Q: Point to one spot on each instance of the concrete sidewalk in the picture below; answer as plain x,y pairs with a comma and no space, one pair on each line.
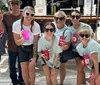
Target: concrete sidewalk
40,78
71,81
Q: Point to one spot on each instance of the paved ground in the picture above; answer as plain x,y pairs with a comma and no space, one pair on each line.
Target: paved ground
40,78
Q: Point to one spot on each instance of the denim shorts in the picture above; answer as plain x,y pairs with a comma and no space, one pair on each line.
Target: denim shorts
49,64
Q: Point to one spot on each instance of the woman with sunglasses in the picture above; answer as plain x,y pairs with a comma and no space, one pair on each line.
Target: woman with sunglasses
26,33
76,26
91,48
3,35
49,50
60,24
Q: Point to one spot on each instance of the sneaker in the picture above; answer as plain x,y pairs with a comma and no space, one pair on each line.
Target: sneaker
12,84
20,82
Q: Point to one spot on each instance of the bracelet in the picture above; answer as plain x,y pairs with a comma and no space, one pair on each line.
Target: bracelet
53,66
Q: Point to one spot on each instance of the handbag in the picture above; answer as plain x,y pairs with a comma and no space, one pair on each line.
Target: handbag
28,48
67,54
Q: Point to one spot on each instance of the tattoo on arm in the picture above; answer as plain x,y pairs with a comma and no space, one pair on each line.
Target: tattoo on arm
36,37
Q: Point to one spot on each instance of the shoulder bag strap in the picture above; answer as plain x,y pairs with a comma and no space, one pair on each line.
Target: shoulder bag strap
64,31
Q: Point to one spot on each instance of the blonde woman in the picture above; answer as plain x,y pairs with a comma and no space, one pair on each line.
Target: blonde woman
31,29
90,49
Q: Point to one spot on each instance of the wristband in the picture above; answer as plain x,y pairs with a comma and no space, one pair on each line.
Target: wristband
53,66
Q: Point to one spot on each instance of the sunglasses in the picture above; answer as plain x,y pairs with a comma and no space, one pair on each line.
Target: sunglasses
77,16
49,29
84,35
29,14
59,18
15,3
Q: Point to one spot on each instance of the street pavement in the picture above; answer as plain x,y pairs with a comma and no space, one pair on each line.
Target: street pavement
40,78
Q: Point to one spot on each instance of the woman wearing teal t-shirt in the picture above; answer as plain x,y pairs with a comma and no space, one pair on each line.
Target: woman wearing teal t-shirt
89,49
49,50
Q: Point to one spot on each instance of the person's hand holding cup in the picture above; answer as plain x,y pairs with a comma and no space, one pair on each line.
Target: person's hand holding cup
1,33
46,55
26,34
61,41
85,60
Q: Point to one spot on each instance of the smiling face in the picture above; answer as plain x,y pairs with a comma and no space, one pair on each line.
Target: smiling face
84,37
28,15
75,17
14,5
60,19
85,34
49,30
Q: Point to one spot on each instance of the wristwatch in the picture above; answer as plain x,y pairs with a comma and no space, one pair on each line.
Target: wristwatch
53,66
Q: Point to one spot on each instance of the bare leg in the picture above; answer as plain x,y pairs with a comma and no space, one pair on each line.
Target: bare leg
97,81
92,82
47,72
54,76
32,71
80,72
25,72
62,72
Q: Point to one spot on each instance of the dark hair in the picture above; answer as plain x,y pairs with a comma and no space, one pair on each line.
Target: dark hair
70,23
76,12
49,23
22,18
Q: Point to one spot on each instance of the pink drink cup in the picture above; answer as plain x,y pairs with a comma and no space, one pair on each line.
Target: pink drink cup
26,34
1,32
86,60
74,38
47,56
61,40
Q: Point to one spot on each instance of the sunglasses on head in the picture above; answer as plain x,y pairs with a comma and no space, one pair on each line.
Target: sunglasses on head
59,18
75,16
84,35
49,29
29,14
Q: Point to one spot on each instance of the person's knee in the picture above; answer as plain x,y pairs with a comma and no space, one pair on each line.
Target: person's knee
31,69
80,68
63,66
53,77
48,77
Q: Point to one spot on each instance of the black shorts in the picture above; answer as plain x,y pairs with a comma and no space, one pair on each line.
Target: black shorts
76,55
23,55
99,67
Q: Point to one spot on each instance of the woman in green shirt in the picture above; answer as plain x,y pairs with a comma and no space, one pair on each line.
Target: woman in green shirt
49,50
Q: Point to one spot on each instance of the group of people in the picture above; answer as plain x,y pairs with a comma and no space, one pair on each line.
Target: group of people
24,43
